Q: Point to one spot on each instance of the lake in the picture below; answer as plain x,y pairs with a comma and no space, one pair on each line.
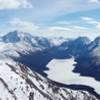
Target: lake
61,70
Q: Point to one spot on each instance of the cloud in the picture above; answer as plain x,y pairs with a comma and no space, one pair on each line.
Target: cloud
14,4
87,18
70,31
18,24
59,28
65,27
92,21
79,27
94,1
73,30
55,8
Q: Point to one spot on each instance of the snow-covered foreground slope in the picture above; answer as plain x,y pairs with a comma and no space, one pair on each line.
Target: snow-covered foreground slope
17,82
62,71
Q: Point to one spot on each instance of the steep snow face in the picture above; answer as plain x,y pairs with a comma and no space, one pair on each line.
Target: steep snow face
17,82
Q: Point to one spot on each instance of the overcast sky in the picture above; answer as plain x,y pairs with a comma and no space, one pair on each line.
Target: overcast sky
68,18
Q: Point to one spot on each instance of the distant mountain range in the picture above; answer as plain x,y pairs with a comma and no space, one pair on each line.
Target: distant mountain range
22,46
35,52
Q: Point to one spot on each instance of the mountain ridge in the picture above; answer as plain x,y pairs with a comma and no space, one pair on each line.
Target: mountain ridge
18,81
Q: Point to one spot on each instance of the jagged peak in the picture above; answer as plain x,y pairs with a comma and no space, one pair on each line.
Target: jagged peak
16,36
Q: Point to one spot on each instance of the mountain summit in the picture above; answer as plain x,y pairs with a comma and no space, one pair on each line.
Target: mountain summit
16,36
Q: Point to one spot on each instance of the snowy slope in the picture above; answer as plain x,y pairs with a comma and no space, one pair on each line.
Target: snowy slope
17,82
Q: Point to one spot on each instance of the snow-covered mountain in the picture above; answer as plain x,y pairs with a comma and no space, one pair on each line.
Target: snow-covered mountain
17,42
18,36
36,52
25,46
18,82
